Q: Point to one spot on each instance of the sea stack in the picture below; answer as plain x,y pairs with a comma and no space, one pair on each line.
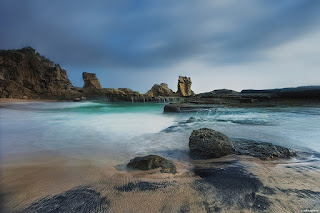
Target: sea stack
91,81
184,86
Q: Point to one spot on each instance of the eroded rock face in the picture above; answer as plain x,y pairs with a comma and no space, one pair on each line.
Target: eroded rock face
25,73
160,90
152,162
91,81
184,86
208,143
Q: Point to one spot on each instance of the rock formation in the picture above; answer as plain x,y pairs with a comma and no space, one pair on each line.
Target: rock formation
91,81
184,86
262,150
208,143
26,74
152,162
160,90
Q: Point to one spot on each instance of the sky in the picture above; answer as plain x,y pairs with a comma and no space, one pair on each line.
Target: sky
247,44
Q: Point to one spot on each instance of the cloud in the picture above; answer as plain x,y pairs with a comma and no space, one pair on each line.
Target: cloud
148,36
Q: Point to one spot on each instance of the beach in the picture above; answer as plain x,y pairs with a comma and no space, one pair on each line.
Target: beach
67,152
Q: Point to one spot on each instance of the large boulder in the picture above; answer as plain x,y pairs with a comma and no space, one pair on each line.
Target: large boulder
152,162
208,143
184,86
91,81
160,90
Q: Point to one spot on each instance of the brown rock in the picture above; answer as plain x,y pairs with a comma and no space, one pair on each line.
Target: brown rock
160,90
184,86
91,81
24,72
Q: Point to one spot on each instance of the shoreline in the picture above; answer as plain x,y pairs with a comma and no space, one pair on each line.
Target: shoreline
216,184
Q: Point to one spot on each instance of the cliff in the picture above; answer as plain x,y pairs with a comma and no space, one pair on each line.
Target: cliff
24,73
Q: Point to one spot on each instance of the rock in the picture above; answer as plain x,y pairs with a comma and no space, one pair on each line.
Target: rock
152,162
184,86
25,72
219,93
262,150
83,98
208,143
91,81
160,90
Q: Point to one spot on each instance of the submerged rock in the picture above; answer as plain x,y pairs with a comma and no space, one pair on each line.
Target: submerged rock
152,162
208,143
262,150
75,200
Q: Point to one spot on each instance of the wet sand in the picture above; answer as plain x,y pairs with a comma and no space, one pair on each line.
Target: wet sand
229,184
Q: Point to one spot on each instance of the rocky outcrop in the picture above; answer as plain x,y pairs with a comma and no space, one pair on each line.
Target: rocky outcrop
208,143
219,93
160,90
184,86
25,73
91,81
152,162
262,150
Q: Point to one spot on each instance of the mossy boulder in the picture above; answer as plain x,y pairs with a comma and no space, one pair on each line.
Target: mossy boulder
208,143
152,162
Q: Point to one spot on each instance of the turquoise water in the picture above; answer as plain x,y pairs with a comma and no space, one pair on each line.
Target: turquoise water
122,130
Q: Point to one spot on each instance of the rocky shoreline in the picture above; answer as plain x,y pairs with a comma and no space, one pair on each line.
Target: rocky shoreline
25,74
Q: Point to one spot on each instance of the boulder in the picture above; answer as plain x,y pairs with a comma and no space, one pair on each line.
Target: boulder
91,81
160,90
208,143
152,162
184,86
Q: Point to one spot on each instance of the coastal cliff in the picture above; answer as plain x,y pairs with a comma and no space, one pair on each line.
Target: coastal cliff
24,73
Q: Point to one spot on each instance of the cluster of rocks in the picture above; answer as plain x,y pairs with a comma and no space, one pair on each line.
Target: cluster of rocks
24,73
207,143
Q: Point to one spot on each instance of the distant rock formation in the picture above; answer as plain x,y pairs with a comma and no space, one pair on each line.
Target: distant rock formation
219,93
184,86
91,81
160,90
24,73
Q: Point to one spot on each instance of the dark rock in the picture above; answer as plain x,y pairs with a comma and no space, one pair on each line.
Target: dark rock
76,200
143,186
208,143
262,150
152,162
91,81
184,86
229,186
219,93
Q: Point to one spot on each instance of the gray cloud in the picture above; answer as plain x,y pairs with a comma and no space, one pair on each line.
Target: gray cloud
148,35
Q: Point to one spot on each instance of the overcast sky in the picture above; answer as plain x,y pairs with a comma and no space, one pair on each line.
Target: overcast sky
236,44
